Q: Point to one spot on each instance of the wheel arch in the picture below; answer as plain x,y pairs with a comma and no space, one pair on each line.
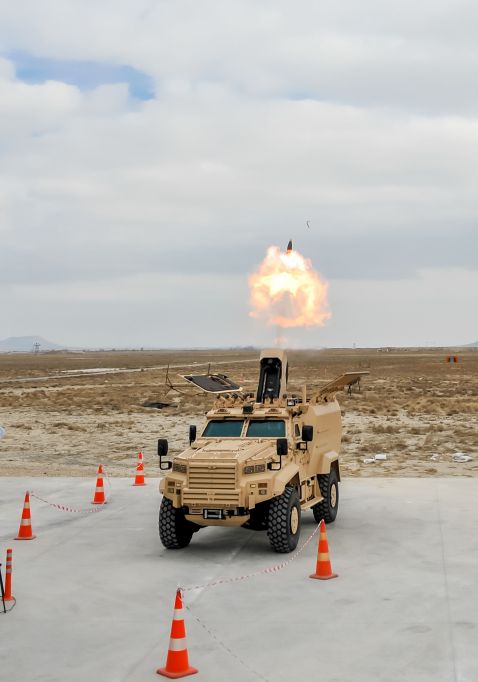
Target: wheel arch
289,475
330,461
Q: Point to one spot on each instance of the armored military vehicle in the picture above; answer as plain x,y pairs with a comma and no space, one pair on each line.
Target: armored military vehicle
259,461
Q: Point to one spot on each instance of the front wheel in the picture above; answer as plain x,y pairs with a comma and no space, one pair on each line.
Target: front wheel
284,521
329,487
175,530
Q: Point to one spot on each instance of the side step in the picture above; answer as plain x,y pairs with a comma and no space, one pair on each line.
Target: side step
311,503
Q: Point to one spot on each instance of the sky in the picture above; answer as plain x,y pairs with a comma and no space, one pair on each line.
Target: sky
150,152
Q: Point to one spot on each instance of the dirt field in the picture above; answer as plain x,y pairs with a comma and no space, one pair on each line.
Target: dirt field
66,412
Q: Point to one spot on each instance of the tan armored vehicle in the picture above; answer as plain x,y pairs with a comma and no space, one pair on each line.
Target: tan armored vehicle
258,462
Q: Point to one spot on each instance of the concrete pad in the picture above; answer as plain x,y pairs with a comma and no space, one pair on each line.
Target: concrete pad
95,593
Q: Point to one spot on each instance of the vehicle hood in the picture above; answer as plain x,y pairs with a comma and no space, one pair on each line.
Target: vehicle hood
238,449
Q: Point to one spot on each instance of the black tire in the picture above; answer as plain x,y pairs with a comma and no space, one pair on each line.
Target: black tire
174,530
284,513
329,487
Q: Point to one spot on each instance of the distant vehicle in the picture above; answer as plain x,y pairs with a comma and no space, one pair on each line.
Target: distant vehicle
259,461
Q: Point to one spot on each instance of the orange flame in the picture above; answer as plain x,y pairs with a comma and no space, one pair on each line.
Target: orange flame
287,291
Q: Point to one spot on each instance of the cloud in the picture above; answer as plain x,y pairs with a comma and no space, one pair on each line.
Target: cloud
168,311
419,57
263,116
179,183
32,109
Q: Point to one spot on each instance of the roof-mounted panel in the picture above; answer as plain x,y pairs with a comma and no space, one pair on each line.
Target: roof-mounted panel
212,383
341,382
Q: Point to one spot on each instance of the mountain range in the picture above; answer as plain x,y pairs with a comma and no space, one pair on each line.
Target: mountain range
26,344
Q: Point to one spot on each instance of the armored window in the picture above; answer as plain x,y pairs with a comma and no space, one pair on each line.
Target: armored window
267,428
224,428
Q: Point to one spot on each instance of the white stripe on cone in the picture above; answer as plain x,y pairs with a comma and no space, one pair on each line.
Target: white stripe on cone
177,644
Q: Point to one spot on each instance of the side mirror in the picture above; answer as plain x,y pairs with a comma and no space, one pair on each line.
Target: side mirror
192,433
307,433
282,447
162,452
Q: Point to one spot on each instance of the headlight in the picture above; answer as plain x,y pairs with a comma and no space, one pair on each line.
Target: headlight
254,469
180,468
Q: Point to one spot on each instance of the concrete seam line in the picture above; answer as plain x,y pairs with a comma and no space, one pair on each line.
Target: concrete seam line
447,593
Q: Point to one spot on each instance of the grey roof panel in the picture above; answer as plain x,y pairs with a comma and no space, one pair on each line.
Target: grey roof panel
213,383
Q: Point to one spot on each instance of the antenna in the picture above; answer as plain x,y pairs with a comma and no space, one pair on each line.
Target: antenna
36,347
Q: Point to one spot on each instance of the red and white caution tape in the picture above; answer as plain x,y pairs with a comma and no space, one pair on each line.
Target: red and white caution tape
66,508
261,571
63,507
215,637
223,581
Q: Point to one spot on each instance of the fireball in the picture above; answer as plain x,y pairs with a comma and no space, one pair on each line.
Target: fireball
286,291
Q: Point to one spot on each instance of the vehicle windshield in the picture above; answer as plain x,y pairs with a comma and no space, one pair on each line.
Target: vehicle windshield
266,428
224,428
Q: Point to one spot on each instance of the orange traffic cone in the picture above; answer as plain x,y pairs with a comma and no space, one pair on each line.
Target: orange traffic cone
177,663
8,577
139,478
99,497
25,530
323,569
140,457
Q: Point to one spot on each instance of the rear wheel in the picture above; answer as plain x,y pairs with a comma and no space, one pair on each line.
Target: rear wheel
329,487
175,530
284,521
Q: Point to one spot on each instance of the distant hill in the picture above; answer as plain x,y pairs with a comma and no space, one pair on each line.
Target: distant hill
475,345
25,344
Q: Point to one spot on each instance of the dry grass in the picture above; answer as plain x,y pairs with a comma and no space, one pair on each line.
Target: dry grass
412,405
